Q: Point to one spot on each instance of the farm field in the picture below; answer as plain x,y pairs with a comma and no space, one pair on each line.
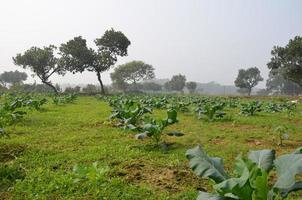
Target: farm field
48,151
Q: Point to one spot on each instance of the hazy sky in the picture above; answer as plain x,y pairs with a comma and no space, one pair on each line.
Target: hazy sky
207,40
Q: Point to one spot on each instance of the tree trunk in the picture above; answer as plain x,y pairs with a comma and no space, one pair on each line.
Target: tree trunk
52,87
101,83
249,91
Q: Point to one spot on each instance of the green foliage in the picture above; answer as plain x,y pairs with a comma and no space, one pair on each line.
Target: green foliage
282,134
42,61
57,138
191,86
154,128
277,84
247,79
252,178
93,174
131,73
250,108
69,98
177,83
13,77
77,57
212,110
272,107
9,174
128,113
171,116
287,61
14,108
72,90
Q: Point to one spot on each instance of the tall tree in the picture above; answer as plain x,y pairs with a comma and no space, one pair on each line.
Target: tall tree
13,77
247,79
288,60
132,72
277,84
177,83
42,62
77,57
191,86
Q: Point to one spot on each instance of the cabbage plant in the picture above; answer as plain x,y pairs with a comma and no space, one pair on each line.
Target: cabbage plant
251,108
252,176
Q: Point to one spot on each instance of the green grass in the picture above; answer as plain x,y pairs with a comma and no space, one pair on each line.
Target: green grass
43,148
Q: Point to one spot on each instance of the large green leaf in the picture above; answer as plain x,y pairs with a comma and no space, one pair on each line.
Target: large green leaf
263,158
240,186
205,166
172,116
208,196
261,187
287,166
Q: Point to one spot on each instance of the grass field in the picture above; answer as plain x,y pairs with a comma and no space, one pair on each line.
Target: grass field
45,146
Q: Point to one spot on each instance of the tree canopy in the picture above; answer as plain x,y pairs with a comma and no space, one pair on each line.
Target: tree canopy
191,86
13,77
77,57
288,60
247,79
177,83
42,62
277,84
132,72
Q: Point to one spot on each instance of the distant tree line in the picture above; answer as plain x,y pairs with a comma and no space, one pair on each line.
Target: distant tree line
285,75
285,65
134,76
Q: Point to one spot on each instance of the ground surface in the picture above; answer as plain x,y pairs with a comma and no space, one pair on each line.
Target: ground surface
46,145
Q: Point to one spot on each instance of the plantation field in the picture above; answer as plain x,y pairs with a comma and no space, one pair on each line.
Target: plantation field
39,158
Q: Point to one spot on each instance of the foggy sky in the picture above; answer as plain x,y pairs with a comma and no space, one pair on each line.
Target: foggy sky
207,40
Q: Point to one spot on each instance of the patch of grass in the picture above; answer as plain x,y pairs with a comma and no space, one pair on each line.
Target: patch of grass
47,145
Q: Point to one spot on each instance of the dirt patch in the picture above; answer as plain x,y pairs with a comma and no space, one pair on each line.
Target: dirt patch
255,142
163,178
291,144
4,195
217,140
11,151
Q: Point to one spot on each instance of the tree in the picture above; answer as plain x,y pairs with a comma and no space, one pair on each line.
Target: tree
247,79
177,83
191,86
120,85
277,84
75,89
151,86
90,89
42,62
77,57
13,77
288,60
131,73
31,88
243,91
